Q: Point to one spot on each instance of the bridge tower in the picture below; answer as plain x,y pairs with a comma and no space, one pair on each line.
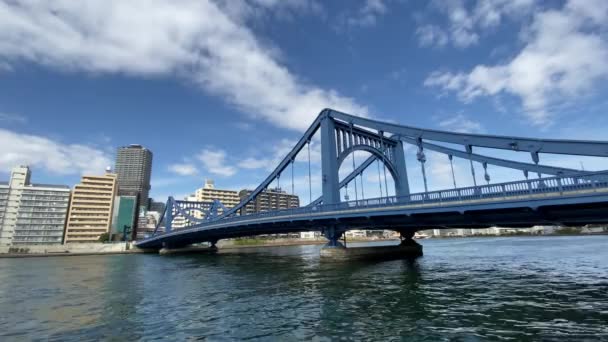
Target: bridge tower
339,141
329,161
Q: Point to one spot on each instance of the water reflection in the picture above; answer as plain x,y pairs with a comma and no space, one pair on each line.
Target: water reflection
469,289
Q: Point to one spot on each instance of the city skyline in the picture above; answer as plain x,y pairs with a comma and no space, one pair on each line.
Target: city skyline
454,66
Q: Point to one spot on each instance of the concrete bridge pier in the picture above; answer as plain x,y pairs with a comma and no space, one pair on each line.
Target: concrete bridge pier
336,251
407,241
333,235
173,250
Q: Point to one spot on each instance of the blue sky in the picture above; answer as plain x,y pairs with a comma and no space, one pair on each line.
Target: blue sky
223,89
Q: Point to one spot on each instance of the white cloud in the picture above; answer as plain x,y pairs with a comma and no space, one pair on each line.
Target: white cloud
56,157
491,13
368,14
565,53
440,172
184,169
190,38
214,161
246,10
254,163
466,24
460,28
460,123
431,35
272,157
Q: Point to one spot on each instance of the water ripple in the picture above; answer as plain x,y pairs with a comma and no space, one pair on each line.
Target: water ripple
512,289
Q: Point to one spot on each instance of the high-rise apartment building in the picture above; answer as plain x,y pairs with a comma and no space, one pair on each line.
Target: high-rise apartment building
271,199
134,168
91,208
31,213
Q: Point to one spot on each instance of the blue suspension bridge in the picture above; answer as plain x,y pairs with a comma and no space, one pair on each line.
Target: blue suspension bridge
557,196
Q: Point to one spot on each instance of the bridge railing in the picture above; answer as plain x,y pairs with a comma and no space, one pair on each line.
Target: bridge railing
530,187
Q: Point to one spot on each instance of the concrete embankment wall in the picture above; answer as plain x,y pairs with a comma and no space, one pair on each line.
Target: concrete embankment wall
67,249
269,242
288,242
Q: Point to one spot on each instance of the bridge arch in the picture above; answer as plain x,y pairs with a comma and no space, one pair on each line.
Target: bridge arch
379,155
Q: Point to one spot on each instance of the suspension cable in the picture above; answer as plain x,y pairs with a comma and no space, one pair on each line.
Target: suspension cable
346,197
362,193
452,167
486,175
293,192
309,178
352,143
470,151
422,159
536,160
385,182
383,150
379,177
473,173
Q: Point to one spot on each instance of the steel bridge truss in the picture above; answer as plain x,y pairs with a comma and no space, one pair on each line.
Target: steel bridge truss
341,135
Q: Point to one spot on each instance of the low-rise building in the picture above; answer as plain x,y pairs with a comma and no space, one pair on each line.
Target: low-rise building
147,224
309,235
356,233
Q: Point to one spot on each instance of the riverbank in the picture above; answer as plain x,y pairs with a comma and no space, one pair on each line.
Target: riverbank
30,251
129,248
34,251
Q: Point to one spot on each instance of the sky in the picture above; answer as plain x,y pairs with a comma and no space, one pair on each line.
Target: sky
223,89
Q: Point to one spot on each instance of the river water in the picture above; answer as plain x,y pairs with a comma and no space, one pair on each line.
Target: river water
473,289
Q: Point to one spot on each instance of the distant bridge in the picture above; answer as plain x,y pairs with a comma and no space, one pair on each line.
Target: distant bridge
564,196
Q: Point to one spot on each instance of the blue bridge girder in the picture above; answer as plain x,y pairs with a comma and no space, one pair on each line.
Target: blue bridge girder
569,197
559,200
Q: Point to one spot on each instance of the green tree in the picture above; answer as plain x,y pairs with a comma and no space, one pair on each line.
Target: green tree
568,230
105,237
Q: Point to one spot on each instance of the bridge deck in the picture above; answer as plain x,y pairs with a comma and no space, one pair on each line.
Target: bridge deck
530,194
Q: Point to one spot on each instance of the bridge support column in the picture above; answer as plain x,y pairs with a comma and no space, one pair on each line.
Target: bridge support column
188,250
333,235
335,251
329,162
172,249
407,241
402,185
